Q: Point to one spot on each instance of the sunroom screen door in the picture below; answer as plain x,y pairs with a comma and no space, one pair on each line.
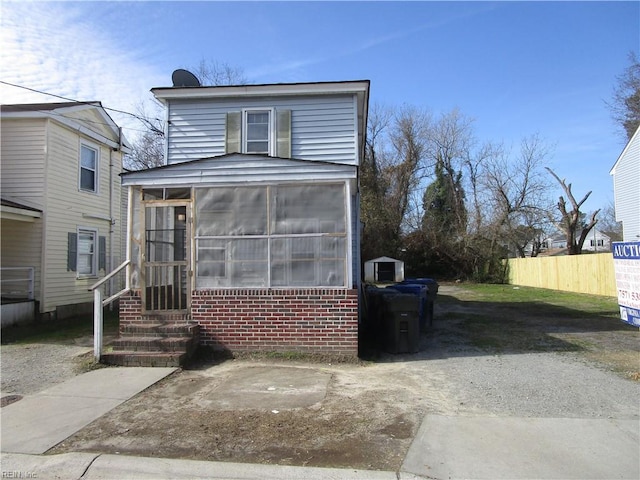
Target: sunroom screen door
165,264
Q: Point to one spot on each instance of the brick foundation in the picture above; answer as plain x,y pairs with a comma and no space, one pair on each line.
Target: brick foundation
303,320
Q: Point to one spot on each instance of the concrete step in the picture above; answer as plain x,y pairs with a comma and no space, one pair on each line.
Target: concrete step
145,359
153,344
160,330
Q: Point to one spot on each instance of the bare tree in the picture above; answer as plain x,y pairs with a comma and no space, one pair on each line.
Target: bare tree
147,151
570,221
607,220
395,146
213,73
625,104
518,194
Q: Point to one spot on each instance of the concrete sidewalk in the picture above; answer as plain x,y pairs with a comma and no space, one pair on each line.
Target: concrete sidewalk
510,448
39,422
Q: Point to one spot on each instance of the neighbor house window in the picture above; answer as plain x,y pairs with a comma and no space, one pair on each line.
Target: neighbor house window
257,131
88,168
87,263
271,236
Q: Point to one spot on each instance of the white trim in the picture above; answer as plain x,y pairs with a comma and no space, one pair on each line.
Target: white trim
328,88
96,252
348,227
271,140
56,115
92,146
20,214
624,151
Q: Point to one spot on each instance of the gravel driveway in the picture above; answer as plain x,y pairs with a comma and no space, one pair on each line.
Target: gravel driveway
30,368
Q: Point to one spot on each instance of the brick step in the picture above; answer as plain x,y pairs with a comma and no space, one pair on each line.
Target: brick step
154,344
160,330
145,359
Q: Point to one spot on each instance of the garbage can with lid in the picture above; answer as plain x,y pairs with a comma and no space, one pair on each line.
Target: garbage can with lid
401,323
421,292
432,294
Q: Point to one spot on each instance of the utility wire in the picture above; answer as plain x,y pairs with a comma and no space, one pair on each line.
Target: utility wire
142,119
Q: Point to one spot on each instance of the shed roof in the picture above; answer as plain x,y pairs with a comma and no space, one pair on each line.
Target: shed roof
384,259
238,168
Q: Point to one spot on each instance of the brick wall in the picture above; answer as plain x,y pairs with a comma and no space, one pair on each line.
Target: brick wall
306,320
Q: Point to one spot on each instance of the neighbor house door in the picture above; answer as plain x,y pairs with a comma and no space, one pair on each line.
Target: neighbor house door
165,263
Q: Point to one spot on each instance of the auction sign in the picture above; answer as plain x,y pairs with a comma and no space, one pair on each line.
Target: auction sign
626,260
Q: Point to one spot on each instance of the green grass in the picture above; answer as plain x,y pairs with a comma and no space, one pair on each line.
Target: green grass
510,295
501,318
62,331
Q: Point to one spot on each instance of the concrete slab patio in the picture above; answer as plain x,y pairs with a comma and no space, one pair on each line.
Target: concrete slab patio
38,422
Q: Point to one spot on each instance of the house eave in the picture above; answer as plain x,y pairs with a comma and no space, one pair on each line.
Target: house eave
277,89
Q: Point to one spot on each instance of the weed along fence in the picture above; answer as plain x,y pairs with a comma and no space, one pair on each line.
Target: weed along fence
587,273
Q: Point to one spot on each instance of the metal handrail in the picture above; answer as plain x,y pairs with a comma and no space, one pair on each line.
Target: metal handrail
98,303
111,275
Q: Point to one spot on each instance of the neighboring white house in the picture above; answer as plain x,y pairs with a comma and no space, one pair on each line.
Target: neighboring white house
598,241
61,218
626,189
251,230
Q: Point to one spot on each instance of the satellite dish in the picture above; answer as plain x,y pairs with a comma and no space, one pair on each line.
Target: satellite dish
184,78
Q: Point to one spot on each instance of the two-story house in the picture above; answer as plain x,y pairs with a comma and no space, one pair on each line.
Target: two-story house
251,229
61,219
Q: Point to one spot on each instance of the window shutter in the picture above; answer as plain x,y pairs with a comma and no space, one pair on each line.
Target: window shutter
283,130
232,144
72,251
102,253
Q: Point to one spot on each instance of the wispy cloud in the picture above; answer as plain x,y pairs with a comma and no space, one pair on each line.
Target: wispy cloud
370,43
52,48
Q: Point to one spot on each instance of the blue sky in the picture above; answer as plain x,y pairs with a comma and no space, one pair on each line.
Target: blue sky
517,68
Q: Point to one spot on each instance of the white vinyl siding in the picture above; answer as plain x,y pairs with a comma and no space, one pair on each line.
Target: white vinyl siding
322,127
626,185
23,159
40,164
68,208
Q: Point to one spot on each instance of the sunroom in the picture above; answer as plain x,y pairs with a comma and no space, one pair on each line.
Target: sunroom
259,251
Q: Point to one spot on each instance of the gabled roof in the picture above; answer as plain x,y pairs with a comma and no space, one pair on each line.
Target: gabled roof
66,113
634,140
384,260
235,168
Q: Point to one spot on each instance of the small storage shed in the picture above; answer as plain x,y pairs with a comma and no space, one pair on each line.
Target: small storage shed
383,269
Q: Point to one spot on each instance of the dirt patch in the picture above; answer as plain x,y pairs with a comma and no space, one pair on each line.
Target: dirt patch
474,361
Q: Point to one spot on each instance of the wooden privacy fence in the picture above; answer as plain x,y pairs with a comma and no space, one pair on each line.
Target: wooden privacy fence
587,273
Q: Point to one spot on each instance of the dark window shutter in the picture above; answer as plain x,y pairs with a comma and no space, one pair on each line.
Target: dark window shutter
283,129
233,137
102,253
72,251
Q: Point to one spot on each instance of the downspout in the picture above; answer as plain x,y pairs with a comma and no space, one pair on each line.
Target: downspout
111,225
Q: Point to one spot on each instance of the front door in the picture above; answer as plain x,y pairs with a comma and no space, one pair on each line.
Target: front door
165,265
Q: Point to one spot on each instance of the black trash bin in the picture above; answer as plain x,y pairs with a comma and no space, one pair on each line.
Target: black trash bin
432,294
401,323
421,291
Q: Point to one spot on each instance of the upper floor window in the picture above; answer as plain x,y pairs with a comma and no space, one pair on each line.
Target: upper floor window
257,131
88,168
